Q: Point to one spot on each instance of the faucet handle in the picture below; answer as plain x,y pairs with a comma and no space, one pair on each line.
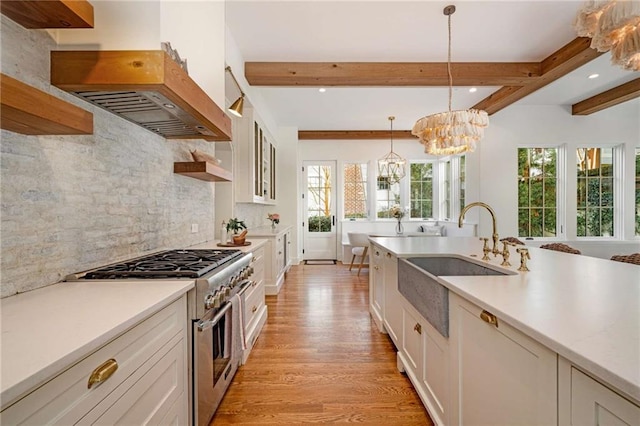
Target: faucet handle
524,255
505,253
485,249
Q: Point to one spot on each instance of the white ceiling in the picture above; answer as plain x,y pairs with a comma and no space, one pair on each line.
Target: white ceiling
407,31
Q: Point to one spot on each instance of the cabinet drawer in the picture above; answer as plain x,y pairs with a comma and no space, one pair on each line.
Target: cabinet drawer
66,399
253,304
152,394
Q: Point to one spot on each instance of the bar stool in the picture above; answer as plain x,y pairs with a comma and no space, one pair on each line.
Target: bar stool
560,247
627,258
359,246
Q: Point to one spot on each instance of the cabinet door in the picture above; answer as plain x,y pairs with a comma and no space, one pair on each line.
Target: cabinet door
412,343
502,376
392,299
592,403
376,287
258,158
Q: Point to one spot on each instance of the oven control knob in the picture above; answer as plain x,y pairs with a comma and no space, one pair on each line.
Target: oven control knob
227,292
245,273
235,280
212,301
250,270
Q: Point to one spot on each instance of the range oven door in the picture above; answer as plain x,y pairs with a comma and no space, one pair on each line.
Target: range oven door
215,361
217,353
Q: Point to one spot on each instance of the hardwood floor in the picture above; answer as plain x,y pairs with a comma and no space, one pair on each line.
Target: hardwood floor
320,359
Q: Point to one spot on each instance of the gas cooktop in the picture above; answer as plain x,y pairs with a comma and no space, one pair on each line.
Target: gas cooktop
167,264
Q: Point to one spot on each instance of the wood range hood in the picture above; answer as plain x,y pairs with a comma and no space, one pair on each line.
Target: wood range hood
145,87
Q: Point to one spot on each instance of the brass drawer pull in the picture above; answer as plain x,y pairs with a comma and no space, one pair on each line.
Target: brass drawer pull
488,317
102,372
388,254
377,253
418,328
254,309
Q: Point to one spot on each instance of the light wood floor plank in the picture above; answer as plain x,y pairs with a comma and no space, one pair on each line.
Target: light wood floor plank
320,359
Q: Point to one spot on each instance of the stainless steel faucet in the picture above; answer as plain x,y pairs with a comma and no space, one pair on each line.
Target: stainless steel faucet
495,237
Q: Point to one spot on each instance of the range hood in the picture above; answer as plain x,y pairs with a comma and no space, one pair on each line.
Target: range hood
145,87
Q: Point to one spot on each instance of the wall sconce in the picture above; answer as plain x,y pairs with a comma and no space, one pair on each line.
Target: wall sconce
238,105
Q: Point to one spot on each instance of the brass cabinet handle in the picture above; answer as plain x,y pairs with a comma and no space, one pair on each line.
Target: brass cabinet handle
254,309
488,317
102,372
418,328
377,253
388,254
376,267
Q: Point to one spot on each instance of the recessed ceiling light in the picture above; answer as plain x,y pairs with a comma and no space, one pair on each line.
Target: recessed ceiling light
322,90
473,90
592,76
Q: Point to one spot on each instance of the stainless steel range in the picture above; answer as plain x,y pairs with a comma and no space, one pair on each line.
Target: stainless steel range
215,310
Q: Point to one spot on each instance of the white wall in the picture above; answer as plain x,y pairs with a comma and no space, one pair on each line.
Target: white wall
547,126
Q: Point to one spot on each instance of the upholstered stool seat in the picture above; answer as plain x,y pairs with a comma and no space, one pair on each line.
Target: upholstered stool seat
513,240
560,247
359,246
627,258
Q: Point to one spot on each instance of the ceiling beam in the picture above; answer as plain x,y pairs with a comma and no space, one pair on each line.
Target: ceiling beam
390,74
353,134
604,100
560,63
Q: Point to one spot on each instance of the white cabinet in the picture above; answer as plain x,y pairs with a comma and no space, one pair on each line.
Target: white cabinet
501,376
149,385
376,286
585,401
255,308
276,255
255,160
392,298
424,354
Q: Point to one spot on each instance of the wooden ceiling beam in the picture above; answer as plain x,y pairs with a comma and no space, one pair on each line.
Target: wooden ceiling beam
560,63
388,74
604,100
353,134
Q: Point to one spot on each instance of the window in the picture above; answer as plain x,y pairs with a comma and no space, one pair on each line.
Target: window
387,196
355,190
537,192
463,175
446,190
637,192
421,190
595,187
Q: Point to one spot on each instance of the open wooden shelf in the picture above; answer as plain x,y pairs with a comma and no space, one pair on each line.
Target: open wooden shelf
203,170
34,14
30,111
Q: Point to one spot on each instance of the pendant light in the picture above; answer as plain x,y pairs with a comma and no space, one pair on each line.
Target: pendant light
392,167
451,132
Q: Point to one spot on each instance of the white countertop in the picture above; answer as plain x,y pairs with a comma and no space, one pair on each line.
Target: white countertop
266,231
47,330
584,308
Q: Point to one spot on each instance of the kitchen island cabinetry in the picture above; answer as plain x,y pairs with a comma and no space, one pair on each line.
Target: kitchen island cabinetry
501,375
586,401
142,379
277,255
255,160
376,287
547,346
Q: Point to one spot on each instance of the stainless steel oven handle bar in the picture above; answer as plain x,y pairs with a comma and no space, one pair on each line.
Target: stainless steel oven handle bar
205,325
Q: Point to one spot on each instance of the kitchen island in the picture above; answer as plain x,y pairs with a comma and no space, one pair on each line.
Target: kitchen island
583,311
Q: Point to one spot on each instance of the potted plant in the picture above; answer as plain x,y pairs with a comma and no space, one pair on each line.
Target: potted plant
236,226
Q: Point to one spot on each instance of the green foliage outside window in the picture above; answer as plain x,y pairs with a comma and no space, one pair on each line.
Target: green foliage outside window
595,194
421,190
320,224
537,192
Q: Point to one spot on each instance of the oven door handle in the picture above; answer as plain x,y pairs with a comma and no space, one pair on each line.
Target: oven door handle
205,325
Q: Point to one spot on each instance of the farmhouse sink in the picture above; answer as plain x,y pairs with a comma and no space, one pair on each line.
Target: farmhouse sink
418,283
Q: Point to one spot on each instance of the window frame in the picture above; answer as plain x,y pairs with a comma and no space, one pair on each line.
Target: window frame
617,161
561,192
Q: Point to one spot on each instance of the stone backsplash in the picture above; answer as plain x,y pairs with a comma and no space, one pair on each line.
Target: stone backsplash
70,203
